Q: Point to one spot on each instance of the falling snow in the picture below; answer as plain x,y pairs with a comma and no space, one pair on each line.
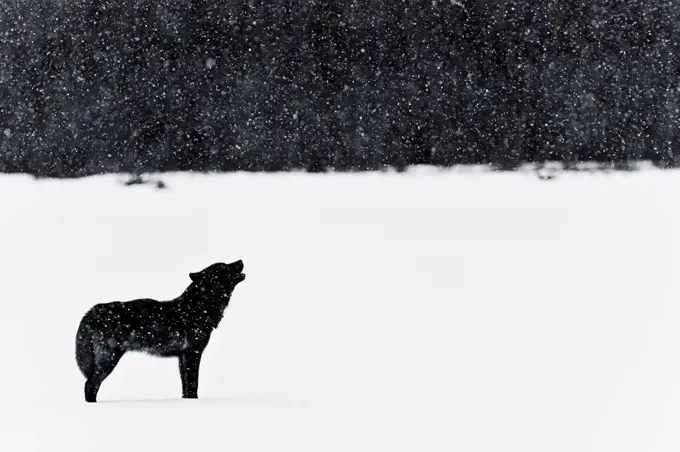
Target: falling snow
121,85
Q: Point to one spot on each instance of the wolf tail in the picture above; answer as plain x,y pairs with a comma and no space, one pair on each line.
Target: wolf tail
85,348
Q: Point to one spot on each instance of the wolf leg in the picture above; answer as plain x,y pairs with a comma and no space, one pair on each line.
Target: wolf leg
189,363
105,361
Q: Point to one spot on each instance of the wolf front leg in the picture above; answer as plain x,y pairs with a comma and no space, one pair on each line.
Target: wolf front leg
189,363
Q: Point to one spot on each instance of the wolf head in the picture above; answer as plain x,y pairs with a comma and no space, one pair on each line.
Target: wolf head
219,279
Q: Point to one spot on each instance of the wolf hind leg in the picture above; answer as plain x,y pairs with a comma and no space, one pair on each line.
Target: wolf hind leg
106,359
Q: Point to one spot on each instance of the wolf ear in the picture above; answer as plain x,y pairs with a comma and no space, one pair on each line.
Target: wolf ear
195,277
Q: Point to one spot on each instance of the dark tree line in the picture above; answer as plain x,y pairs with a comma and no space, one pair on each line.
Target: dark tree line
90,86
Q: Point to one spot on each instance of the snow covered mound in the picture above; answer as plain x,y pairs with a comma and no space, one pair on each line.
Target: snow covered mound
425,311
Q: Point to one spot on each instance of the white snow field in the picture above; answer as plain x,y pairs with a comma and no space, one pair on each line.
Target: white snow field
427,311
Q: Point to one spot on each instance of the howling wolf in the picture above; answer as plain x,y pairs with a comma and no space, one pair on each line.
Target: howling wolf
180,327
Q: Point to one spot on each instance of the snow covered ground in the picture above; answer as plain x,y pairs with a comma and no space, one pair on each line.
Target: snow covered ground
431,311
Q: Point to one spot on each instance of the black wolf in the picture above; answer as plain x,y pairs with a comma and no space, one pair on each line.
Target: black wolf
180,327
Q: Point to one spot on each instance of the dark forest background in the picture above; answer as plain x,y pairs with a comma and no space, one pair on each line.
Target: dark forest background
92,86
